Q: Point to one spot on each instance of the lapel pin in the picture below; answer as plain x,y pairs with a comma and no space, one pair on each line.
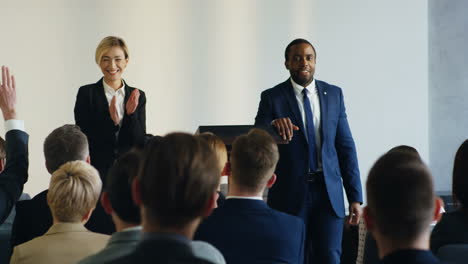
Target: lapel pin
325,93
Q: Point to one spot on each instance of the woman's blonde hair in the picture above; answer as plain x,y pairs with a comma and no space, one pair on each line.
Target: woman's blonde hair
216,145
107,43
74,190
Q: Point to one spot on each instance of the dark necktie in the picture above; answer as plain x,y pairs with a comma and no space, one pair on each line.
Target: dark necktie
310,131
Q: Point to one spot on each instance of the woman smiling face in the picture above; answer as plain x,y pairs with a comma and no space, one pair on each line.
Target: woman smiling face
113,64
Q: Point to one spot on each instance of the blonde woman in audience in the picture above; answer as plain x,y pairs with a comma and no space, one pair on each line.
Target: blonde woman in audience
218,147
73,193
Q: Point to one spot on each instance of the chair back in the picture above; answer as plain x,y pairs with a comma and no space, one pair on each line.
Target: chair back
453,253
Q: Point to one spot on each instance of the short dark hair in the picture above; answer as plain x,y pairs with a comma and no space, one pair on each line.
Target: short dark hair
179,175
2,148
64,144
253,159
400,196
405,149
460,176
119,186
296,42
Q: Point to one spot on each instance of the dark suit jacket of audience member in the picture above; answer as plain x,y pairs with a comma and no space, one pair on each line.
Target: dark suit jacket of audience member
248,231
410,256
164,249
92,116
221,199
452,229
33,219
15,174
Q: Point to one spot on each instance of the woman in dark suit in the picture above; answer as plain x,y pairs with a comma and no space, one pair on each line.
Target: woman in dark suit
110,112
453,227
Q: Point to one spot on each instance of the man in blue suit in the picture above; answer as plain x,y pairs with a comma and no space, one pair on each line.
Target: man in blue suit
245,229
320,157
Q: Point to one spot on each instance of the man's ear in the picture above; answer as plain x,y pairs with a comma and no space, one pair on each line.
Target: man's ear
286,64
227,169
47,167
136,192
2,164
88,159
271,181
210,205
106,204
368,221
438,209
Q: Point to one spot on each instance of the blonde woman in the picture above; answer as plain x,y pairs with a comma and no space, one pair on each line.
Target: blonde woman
110,112
73,193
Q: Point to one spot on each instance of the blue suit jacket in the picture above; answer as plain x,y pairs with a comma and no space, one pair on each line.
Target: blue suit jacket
248,231
15,173
339,160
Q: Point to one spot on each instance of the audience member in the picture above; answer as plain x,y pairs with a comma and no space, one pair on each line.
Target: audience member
33,217
245,229
15,172
117,201
73,193
175,189
405,149
219,148
453,227
401,207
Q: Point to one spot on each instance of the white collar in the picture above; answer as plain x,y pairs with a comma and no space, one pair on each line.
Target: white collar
298,88
111,90
244,197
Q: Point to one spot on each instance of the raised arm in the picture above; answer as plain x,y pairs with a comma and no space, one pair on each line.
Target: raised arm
14,176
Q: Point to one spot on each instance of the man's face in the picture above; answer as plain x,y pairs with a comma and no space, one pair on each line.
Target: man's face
301,63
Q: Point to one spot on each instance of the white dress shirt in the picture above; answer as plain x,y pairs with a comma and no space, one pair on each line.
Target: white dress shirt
120,98
14,124
244,197
315,105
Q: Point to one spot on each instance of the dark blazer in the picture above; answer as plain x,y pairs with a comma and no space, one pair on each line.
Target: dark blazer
33,219
161,250
248,231
410,256
92,116
339,159
15,173
452,229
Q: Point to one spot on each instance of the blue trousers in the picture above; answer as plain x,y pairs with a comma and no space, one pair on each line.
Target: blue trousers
324,230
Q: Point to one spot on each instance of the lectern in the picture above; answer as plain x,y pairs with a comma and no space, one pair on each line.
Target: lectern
229,133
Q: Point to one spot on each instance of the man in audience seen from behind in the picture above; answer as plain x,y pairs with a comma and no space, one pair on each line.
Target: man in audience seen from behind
117,201
401,207
15,172
73,193
245,229
175,190
33,217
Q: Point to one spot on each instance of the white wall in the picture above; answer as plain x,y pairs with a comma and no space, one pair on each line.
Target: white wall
206,62
447,85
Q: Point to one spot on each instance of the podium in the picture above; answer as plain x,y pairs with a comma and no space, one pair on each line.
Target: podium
228,133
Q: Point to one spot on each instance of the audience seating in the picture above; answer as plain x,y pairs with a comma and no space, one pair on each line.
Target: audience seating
454,253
